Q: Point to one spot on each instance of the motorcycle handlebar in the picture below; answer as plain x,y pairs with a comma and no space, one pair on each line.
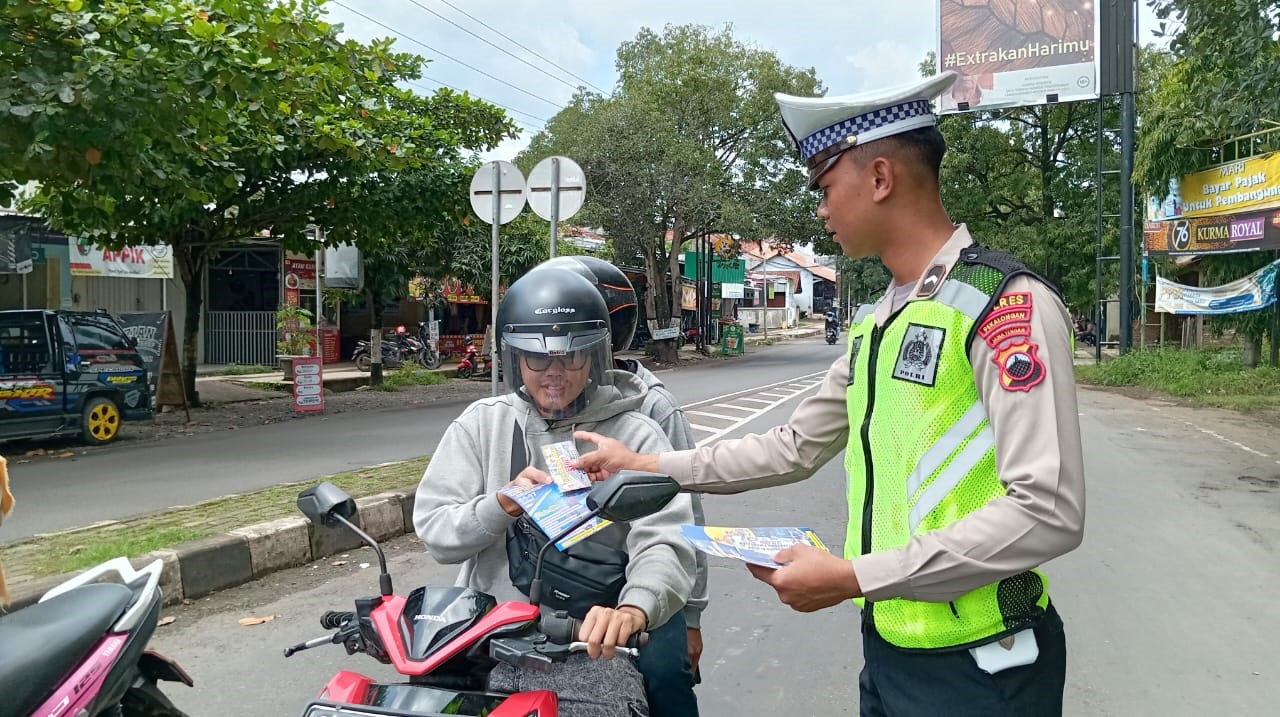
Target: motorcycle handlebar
562,629
334,619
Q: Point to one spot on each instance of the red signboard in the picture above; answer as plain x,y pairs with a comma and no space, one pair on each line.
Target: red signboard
453,344
308,384
329,345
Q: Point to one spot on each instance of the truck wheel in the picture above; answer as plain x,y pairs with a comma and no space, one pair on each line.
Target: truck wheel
100,421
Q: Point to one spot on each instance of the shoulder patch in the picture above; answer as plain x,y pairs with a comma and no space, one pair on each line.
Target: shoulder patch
1009,319
1020,367
932,281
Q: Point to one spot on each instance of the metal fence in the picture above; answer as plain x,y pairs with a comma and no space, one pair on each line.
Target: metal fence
243,337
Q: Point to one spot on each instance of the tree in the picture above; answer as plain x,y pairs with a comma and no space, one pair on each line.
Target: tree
689,144
167,122
1218,82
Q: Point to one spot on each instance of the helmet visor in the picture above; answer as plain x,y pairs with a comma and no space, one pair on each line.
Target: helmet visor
558,374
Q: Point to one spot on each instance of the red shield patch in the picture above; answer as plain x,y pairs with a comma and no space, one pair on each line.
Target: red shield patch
1020,367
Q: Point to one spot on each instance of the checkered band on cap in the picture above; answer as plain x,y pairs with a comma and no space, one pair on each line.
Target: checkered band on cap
840,131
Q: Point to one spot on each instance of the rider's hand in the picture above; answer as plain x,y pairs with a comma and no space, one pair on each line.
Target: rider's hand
528,476
611,456
606,628
695,648
810,578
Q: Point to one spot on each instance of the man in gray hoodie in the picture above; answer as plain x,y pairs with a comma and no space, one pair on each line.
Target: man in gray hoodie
556,347
669,676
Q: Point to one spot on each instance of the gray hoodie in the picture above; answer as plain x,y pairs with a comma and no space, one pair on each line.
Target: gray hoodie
661,405
459,519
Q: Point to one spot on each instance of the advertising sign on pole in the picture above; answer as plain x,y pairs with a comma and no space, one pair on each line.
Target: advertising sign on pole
1012,53
1223,234
308,384
136,262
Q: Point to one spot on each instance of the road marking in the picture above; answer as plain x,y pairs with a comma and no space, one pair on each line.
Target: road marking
736,408
755,413
704,429
755,400
721,416
1224,439
754,390
772,393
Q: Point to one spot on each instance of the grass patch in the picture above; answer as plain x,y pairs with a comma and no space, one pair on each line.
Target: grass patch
79,549
410,374
245,370
1210,377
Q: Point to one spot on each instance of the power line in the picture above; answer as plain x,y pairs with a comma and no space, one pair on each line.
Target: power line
498,47
522,47
445,55
496,104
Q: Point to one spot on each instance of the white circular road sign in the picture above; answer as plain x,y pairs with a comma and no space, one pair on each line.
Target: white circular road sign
572,190
506,182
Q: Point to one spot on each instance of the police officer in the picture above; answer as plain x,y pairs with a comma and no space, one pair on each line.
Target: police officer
955,409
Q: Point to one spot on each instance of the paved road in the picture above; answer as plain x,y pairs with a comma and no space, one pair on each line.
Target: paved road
1169,604
124,480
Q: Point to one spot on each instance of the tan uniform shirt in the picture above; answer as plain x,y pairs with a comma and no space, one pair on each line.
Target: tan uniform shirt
1038,457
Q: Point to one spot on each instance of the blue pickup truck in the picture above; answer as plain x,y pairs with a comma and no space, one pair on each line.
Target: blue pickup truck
68,373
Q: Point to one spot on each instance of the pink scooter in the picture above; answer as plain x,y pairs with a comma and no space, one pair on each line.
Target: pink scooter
82,650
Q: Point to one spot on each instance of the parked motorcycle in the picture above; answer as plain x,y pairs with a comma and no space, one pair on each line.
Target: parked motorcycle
472,364
429,357
396,351
446,640
82,650
688,336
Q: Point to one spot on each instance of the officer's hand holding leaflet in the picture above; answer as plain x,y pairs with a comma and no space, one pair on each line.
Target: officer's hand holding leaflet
810,578
611,456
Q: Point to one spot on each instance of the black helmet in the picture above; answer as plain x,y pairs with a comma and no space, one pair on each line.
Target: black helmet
554,328
614,287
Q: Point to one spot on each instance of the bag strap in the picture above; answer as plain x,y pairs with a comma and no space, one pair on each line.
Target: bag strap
519,454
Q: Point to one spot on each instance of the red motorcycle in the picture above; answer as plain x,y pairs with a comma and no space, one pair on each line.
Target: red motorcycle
470,365
445,640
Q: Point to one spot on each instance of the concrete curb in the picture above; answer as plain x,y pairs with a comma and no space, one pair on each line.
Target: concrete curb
218,562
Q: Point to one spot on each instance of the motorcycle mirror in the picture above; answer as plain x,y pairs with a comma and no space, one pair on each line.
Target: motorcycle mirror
320,503
327,504
632,494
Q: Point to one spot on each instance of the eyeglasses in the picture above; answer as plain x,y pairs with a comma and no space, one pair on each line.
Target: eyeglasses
572,361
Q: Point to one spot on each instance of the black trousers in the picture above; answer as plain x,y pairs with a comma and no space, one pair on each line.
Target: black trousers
896,683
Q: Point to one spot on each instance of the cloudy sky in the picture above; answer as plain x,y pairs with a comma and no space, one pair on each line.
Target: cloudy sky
854,45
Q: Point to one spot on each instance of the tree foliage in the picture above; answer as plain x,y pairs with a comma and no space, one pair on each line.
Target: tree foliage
165,121
688,144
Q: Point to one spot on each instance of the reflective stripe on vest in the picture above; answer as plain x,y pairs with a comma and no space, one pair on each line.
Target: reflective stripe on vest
922,450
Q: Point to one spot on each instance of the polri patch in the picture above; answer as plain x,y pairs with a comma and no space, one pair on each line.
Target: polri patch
918,357
1020,367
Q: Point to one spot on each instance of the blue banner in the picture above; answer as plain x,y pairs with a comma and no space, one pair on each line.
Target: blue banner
1253,292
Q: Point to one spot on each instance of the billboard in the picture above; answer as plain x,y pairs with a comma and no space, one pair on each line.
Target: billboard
1011,53
135,262
1247,184
1221,234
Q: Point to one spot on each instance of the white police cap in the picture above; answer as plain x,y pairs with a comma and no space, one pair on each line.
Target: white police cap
823,127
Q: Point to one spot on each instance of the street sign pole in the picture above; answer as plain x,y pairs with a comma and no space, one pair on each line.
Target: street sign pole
557,189
493,279
555,201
